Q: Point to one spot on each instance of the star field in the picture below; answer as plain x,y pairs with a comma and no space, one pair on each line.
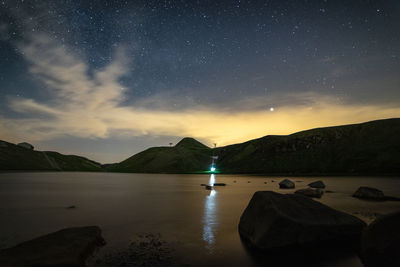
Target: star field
216,55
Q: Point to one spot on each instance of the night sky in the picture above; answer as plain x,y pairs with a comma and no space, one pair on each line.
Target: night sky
107,79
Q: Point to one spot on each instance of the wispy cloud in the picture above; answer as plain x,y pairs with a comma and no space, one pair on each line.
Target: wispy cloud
89,104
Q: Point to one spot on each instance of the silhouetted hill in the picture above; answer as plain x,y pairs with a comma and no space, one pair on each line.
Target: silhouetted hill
15,157
191,143
188,156
365,148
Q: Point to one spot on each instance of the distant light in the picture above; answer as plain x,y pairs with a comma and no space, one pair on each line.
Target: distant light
271,109
212,169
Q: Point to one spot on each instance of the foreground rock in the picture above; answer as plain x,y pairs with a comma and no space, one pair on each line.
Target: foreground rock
309,192
317,184
286,184
380,243
272,220
68,247
369,193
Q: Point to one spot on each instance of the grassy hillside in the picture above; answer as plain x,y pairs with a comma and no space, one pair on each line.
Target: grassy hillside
366,148
13,157
188,156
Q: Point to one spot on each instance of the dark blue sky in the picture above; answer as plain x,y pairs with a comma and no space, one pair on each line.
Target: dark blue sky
184,57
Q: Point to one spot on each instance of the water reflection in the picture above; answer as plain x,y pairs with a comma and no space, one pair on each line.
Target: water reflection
210,216
212,180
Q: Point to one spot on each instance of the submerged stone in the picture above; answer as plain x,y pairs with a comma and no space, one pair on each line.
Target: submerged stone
309,192
317,184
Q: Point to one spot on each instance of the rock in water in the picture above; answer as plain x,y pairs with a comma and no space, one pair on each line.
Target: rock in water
272,220
380,243
309,192
286,184
317,184
370,193
67,247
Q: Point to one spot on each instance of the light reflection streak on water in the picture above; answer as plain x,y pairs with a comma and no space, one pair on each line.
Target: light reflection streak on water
210,216
212,180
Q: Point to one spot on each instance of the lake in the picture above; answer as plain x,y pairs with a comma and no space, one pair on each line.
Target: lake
199,225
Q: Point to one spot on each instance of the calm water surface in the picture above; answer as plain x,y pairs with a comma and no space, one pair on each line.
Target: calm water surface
201,225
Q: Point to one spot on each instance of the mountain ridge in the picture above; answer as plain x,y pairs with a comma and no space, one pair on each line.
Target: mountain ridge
353,149
367,148
16,158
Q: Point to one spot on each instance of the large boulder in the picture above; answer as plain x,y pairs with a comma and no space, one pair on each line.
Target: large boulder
380,242
26,145
309,192
369,193
286,184
68,247
272,220
317,184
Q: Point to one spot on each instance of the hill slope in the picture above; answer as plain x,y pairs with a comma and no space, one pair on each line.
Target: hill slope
13,157
366,148
188,156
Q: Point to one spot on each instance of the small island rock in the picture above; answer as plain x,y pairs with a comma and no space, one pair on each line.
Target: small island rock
380,242
369,193
317,184
272,221
286,184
